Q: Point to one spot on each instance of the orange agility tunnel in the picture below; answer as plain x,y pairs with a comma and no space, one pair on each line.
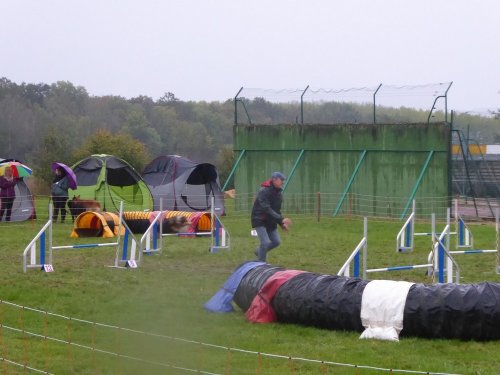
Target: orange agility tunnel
96,224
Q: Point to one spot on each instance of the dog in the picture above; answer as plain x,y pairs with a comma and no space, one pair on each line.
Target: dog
176,224
77,206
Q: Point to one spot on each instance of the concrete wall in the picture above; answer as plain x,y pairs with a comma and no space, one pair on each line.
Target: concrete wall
394,159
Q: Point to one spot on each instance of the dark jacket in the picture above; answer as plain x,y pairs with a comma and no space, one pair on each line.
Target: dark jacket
7,187
266,209
60,186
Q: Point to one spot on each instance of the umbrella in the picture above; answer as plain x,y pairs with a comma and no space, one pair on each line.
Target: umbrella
19,170
72,181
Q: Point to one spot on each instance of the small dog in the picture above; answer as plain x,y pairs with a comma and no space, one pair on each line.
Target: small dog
176,224
77,206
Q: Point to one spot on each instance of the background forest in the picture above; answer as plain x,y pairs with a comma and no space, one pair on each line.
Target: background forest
41,123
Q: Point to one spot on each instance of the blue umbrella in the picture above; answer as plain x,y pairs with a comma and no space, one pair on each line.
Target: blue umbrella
72,181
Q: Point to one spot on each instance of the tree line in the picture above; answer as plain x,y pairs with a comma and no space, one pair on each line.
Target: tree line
42,123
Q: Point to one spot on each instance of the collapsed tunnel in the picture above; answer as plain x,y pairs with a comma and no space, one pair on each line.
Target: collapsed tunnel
380,308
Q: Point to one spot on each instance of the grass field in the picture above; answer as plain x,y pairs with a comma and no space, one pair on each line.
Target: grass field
165,296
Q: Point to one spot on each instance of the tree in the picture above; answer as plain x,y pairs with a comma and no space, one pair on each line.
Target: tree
120,145
225,162
169,97
137,125
36,93
54,147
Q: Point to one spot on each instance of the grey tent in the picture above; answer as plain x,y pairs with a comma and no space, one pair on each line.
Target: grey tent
23,207
183,184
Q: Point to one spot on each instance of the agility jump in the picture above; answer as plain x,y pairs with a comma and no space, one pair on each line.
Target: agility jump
39,252
435,263
207,224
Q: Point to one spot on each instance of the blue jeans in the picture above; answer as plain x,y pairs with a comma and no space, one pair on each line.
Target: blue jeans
269,239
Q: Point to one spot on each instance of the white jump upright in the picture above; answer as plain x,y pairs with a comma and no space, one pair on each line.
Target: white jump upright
152,239
37,253
405,237
441,250
41,256
220,236
465,239
362,245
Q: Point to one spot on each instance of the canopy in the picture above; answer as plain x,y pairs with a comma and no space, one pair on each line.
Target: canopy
110,180
183,184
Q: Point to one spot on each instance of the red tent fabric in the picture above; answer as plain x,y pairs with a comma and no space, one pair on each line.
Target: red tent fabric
260,311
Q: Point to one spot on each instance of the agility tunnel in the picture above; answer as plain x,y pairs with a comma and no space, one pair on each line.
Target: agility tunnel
96,224
139,221
379,309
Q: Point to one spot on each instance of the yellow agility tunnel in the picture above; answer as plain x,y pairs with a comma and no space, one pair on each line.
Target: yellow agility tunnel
96,224
139,221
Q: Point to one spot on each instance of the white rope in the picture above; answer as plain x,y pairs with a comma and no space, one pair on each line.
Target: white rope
26,367
188,341
61,341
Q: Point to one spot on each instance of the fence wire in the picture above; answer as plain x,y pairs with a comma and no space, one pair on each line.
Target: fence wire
225,349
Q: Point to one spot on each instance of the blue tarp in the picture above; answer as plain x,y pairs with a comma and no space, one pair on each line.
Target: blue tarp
221,301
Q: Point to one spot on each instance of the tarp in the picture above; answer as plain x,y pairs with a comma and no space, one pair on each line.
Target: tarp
221,301
110,180
183,185
23,207
382,309
260,311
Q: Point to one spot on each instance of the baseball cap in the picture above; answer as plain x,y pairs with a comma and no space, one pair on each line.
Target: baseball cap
279,175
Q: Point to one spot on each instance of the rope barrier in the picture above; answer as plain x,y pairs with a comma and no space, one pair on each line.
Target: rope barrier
209,345
25,367
82,346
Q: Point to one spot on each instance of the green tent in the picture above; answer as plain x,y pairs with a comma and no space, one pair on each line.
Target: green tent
110,180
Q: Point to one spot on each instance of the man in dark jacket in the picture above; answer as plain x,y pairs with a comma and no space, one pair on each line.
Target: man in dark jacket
266,215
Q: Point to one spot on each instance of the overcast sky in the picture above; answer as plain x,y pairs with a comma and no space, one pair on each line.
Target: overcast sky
207,50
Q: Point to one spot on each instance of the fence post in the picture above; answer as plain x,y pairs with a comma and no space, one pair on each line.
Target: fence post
318,199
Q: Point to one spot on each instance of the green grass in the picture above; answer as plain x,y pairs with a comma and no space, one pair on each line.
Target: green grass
165,295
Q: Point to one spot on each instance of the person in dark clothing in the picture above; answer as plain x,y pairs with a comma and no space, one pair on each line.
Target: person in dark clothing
8,193
266,215
59,192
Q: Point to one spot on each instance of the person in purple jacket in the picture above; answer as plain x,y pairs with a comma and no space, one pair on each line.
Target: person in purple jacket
7,194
